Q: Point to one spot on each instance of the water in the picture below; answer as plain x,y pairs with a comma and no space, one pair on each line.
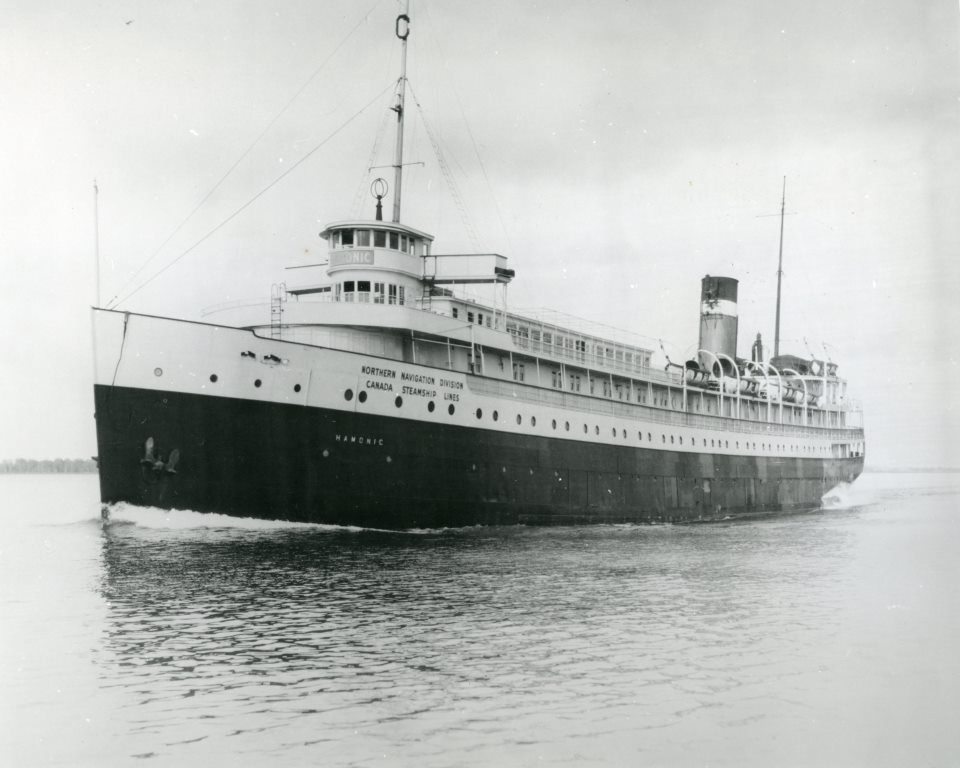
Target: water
160,638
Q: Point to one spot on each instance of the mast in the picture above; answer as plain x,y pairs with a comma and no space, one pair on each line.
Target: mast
776,334
403,32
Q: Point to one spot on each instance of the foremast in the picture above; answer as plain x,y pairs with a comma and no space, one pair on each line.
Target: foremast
403,32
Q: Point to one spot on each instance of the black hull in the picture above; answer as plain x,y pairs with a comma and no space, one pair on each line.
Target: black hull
254,459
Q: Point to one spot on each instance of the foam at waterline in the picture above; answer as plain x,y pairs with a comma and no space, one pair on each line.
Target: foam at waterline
185,519
845,496
176,519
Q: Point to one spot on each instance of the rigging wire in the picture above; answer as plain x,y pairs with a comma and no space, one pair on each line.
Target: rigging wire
113,302
473,141
260,194
362,186
445,170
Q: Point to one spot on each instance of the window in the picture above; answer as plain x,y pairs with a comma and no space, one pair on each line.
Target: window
378,293
363,289
455,313
346,237
401,300
348,289
392,293
518,372
395,240
480,317
363,237
403,243
469,317
379,238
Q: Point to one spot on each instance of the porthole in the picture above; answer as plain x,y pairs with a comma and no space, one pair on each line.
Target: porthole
362,397
389,460
640,436
533,421
663,438
553,423
326,453
624,434
585,429
681,439
348,395
671,439
296,387
450,409
496,415
613,431
158,371
479,413
726,443
693,441
649,437
430,406
519,419
398,401
213,378
596,429
257,383
566,426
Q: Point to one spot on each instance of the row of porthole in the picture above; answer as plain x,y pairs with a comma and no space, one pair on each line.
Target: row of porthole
256,382
398,401
451,409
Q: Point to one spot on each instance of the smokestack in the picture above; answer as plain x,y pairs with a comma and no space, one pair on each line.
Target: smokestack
718,318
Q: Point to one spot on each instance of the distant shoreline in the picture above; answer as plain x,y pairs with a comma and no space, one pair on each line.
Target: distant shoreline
47,466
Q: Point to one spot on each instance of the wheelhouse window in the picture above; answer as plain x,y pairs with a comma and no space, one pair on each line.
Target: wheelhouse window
378,293
363,237
349,290
394,240
392,293
346,237
363,290
379,238
402,291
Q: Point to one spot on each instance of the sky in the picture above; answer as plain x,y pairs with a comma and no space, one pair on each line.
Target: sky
615,151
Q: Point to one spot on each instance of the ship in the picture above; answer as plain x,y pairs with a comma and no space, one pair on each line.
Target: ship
376,389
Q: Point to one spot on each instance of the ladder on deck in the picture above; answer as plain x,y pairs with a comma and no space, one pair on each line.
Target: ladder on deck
278,295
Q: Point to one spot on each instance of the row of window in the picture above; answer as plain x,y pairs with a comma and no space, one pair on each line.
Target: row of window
528,337
378,238
478,318
365,291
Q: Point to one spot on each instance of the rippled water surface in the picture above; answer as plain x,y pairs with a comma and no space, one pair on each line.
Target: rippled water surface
827,638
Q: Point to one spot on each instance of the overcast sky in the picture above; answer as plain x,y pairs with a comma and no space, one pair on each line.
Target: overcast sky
615,151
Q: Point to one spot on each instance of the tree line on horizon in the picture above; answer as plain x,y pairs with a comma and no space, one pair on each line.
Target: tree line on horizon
47,466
